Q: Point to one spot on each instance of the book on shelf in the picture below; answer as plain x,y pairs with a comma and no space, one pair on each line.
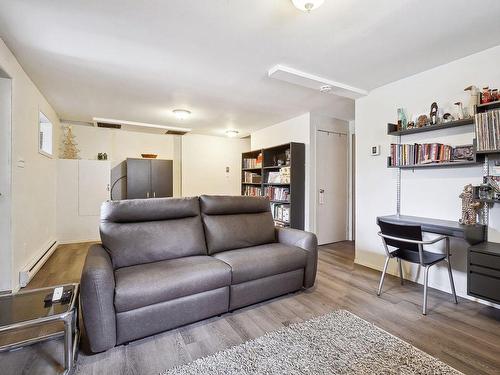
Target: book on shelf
252,191
252,162
280,177
281,212
427,153
487,127
277,193
252,177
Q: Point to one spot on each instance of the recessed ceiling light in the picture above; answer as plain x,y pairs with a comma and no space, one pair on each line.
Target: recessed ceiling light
181,114
231,133
307,5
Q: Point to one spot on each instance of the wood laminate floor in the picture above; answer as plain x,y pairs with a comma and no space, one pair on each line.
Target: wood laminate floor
466,336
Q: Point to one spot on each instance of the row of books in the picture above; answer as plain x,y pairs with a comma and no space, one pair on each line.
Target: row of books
280,177
252,191
488,130
412,154
281,212
252,177
252,163
277,193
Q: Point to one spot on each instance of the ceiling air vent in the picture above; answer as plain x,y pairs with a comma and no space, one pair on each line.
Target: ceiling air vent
175,132
108,125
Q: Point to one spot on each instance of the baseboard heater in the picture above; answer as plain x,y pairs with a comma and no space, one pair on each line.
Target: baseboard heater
30,270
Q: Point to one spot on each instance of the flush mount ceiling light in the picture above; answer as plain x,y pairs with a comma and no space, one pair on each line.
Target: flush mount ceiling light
307,5
231,133
181,114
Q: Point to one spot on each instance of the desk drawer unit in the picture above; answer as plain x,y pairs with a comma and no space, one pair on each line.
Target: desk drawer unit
483,271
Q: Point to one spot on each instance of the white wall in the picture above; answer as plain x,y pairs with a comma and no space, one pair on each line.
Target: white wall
431,193
34,185
297,129
204,161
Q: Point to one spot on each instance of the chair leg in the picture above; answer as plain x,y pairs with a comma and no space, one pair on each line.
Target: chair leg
383,276
426,277
400,262
452,284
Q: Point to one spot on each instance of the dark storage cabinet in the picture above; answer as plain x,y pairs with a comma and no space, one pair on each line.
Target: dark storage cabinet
149,178
483,271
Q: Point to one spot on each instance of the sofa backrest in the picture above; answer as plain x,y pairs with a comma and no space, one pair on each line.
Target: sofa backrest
234,222
148,230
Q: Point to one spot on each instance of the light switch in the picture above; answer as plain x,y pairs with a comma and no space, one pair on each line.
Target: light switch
20,163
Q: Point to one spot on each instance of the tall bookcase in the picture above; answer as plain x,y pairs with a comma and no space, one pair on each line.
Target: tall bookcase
279,173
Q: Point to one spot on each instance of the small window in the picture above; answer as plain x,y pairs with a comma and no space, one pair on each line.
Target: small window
44,135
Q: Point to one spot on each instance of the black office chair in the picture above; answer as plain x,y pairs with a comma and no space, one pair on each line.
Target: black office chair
409,246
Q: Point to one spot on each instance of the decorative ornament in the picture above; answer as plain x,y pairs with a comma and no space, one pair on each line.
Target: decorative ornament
69,150
422,121
473,99
470,208
460,110
433,115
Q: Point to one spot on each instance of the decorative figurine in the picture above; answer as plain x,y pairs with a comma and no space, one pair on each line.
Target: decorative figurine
422,121
402,118
486,95
433,115
460,110
473,99
469,206
447,117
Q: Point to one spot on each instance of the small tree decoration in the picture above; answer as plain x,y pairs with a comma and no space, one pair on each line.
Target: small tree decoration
469,206
69,150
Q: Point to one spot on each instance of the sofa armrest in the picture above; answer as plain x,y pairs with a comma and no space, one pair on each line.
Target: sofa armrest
97,291
306,241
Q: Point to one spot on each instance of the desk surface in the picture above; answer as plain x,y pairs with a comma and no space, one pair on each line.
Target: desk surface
473,234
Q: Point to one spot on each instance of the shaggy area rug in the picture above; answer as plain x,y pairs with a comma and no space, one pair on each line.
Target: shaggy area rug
336,343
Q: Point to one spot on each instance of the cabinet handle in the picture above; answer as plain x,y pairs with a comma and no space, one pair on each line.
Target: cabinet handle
154,194
147,194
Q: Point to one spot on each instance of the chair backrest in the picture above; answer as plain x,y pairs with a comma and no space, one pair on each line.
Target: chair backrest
234,222
141,231
410,232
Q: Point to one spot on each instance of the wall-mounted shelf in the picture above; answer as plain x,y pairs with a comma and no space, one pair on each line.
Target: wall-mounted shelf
449,164
392,128
488,106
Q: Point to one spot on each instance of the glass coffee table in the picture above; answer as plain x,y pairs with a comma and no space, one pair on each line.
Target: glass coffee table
27,309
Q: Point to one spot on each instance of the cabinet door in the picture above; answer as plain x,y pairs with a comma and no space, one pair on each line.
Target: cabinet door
162,178
138,179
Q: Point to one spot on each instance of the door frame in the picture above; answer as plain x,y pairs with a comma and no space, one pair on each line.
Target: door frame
6,259
313,201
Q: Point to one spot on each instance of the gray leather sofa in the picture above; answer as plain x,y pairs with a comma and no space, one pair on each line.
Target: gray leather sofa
168,262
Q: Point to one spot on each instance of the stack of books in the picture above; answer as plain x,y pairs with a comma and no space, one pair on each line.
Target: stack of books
277,193
488,130
252,177
252,191
251,163
413,154
281,213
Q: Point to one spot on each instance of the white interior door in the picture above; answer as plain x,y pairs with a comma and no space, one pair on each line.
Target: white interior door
332,184
5,185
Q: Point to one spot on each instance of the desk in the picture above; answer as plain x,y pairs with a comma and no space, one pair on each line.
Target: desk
473,234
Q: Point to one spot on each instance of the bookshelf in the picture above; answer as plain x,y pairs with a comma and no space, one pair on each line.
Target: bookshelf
279,173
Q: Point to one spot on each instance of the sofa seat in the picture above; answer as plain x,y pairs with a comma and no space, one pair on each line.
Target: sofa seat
151,283
251,263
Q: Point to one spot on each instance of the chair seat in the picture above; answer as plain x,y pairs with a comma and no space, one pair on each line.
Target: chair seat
272,259
413,257
151,283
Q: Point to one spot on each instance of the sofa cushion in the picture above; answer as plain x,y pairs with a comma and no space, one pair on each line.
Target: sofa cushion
148,230
261,261
148,284
234,222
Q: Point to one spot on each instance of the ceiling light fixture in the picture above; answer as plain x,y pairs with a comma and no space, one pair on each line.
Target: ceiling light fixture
181,114
231,133
307,5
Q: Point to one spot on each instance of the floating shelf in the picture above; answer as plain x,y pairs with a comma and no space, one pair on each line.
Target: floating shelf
488,106
391,128
436,165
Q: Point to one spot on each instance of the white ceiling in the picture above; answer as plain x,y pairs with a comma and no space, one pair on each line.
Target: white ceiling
139,60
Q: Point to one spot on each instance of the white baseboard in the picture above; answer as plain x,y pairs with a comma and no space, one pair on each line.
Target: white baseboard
31,268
